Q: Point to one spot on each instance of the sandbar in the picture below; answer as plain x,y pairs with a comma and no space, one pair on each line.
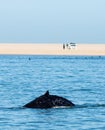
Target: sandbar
51,49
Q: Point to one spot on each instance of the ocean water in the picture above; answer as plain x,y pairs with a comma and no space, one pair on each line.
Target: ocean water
80,79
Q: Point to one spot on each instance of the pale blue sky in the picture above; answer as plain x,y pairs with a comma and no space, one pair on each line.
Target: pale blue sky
55,21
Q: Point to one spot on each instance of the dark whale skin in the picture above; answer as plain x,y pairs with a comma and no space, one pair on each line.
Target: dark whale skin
49,101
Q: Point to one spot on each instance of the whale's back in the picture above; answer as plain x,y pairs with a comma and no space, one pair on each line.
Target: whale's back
49,101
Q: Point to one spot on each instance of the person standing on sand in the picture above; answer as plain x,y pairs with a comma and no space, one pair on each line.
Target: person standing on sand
63,46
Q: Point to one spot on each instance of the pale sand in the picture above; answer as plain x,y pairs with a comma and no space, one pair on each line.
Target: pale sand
51,49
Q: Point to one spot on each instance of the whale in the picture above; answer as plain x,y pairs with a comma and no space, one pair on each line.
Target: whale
49,101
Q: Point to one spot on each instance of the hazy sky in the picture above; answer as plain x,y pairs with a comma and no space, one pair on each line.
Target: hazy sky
81,21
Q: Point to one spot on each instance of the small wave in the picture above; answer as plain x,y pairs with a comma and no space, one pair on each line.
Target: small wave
90,105
65,57
11,108
61,107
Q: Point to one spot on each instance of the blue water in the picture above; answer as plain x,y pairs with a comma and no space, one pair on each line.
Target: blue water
80,79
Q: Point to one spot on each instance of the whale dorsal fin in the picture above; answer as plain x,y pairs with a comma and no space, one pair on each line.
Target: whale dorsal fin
47,93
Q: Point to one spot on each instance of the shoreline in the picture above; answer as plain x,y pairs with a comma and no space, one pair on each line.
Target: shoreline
51,49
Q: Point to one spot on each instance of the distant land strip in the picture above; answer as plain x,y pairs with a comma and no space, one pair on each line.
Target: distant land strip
51,49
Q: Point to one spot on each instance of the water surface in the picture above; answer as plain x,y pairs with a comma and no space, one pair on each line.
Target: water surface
80,79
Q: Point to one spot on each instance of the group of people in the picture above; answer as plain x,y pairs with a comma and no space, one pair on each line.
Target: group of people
69,46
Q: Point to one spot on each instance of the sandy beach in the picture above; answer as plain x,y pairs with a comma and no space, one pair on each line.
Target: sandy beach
51,49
